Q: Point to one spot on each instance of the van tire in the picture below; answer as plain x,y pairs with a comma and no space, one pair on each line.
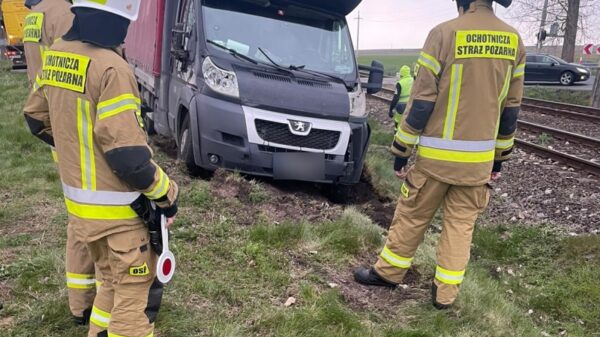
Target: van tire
149,125
185,150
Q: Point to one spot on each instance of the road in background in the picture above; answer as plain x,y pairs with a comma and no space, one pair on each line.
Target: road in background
579,86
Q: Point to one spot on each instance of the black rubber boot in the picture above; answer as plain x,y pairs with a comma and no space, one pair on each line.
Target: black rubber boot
368,276
85,319
437,305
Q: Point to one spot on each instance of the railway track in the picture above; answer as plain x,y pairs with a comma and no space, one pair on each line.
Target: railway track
586,110
566,158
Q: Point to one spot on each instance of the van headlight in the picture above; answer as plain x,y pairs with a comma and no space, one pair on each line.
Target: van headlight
358,103
220,80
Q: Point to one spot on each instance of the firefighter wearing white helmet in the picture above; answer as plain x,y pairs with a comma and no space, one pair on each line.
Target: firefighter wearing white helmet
46,23
88,106
462,114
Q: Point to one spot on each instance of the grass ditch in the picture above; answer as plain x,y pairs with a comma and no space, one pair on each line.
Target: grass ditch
579,97
234,280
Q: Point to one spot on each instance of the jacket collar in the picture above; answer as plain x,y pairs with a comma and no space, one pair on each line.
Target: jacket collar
480,5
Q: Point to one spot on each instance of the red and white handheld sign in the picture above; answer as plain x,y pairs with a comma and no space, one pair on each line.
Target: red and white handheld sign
165,268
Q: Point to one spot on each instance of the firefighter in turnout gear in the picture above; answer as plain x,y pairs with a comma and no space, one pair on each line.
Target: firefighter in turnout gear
88,107
463,116
403,90
47,22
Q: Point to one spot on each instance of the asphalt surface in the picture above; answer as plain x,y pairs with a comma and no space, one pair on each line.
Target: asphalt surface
580,86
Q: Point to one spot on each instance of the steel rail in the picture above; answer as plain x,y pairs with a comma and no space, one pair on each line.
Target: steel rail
569,160
560,134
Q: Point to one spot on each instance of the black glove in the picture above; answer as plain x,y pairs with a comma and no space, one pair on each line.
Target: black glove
151,215
399,163
391,112
497,166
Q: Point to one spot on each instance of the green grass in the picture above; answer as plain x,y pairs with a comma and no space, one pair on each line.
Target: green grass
233,279
391,63
579,97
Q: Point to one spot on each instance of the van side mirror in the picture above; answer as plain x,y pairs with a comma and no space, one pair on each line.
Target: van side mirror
375,83
177,42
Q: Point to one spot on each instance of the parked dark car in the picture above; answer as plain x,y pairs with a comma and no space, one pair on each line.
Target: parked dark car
548,68
16,55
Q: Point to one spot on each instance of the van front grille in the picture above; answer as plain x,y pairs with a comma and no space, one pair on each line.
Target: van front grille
280,133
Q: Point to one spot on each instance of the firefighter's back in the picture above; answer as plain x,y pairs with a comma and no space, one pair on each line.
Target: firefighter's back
79,85
479,54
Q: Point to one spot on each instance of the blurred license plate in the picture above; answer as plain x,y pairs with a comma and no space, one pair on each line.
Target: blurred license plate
299,166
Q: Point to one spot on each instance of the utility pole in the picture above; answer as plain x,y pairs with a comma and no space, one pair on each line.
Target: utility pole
542,25
358,18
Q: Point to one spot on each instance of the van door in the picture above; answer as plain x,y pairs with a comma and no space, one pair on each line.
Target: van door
186,18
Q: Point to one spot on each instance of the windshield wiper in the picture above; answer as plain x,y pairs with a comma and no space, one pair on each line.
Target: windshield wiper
275,64
318,73
233,52
302,69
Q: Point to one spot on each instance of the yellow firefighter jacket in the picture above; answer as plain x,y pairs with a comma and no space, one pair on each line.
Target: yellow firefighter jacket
48,21
88,107
465,101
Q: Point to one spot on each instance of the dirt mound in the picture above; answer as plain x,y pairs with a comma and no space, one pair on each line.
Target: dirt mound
385,300
281,201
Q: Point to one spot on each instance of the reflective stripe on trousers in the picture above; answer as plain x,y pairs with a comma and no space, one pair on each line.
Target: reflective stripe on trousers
100,318
396,260
81,281
449,276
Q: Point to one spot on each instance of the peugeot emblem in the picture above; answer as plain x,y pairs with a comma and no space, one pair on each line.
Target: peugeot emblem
299,127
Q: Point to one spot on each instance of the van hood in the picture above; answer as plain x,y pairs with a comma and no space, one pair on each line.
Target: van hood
298,95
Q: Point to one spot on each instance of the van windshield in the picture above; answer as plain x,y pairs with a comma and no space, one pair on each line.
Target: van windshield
289,35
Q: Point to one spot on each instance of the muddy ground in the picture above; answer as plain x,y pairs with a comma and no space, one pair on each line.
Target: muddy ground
287,200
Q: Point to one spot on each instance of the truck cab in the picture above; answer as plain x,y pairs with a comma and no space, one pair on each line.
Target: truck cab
268,88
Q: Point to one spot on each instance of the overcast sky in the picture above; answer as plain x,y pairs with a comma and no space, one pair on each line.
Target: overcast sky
401,24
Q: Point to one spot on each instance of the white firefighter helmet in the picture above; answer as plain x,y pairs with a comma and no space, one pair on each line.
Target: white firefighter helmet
126,8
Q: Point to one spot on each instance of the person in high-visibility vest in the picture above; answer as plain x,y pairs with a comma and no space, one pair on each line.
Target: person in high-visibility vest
402,94
47,22
462,114
88,106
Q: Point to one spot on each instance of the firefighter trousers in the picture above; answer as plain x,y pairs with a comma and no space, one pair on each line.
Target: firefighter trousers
81,281
421,196
128,297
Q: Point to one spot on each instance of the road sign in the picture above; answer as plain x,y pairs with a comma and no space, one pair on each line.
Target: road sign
598,50
587,49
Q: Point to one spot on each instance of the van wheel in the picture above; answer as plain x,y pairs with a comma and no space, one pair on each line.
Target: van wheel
186,151
567,78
